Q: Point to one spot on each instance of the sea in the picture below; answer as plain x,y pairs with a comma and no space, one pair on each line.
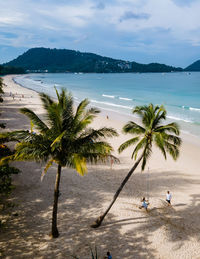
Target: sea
115,93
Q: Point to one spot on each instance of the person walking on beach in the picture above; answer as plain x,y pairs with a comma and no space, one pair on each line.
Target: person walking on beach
168,197
144,204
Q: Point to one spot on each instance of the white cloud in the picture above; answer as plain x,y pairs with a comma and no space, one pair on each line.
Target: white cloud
153,23
81,14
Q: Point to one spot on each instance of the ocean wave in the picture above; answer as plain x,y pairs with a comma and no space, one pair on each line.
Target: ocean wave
108,96
194,109
191,108
179,119
125,99
113,104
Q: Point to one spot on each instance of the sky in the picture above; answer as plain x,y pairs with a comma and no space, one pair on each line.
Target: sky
145,31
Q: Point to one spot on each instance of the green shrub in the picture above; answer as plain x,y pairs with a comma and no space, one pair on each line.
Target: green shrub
5,178
4,151
6,172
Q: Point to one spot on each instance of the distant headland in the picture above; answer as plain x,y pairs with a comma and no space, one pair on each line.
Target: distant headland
63,60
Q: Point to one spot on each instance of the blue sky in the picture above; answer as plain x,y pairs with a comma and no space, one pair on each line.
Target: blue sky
164,31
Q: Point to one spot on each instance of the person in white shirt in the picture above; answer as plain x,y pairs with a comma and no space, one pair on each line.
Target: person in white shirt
168,197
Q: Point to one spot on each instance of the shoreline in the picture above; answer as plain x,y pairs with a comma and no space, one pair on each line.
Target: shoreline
127,232
123,117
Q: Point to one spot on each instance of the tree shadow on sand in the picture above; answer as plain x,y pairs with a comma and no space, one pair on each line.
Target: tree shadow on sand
127,231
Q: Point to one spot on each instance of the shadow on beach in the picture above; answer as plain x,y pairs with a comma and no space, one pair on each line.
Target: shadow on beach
126,232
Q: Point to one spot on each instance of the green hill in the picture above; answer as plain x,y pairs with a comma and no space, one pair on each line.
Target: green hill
194,66
63,60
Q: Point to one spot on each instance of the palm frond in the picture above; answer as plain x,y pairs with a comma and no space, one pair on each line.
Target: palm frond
7,159
27,151
145,113
48,165
57,94
80,164
65,100
146,155
46,100
133,128
92,135
159,116
174,140
171,127
68,112
39,124
18,135
159,141
127,144
31,126
172,149
139,146
57,141
81,109
97,151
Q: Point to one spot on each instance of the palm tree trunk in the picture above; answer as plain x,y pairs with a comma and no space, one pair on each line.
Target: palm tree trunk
98,222
54,230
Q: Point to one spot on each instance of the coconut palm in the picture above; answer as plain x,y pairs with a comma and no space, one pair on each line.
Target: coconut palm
165,137
2,125
1,85
63,138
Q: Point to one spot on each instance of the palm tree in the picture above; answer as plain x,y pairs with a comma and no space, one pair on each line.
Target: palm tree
1,85
165,137
2,125
64,138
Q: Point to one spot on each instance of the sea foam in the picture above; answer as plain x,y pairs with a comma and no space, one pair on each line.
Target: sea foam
179,119
108,96
194,109
113,104
125,99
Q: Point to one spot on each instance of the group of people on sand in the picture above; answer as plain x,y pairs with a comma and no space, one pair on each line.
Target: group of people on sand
145,203
13,96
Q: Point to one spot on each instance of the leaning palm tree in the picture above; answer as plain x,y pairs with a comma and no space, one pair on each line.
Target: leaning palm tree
63,138
165,137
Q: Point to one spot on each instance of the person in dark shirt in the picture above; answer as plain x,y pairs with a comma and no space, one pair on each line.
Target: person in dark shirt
109,256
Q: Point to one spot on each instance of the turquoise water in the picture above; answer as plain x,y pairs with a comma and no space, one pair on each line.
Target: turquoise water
178,92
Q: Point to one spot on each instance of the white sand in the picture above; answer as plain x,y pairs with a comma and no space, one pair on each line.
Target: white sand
164,232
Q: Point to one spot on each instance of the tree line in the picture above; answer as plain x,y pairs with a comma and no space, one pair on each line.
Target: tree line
8,70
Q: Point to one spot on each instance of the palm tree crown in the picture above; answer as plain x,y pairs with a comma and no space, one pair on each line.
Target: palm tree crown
165,137
64,137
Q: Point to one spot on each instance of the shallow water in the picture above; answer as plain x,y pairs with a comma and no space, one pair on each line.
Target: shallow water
178,92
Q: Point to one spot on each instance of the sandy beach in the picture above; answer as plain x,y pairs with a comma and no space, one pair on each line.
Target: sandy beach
165,232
